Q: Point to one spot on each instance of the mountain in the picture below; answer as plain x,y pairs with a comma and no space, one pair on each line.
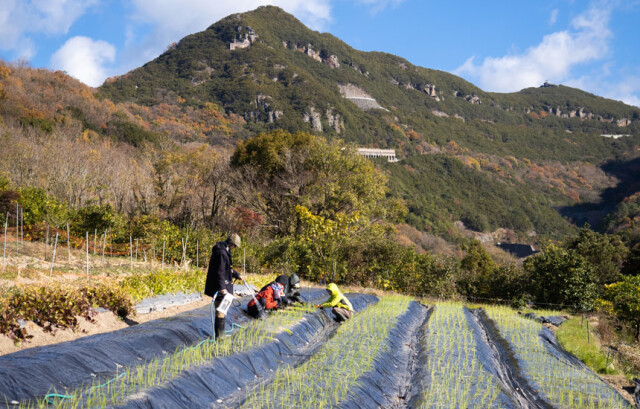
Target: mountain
490,160
270,69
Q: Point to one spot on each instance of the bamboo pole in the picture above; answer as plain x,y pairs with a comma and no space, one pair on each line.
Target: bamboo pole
46,244
104,243
22,226
4,250
131,252
136,249
87,237
18,230
53,257
184,252
197,254
68,244
95,240
163,243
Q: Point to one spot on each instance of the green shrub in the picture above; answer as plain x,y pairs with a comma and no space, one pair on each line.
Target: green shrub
622,300
561,276
41,207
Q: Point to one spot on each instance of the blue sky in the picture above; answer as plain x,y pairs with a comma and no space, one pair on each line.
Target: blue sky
499,45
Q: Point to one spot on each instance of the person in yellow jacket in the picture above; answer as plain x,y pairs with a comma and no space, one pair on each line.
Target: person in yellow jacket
340,305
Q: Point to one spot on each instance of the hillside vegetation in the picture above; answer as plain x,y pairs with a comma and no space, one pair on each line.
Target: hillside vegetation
269,69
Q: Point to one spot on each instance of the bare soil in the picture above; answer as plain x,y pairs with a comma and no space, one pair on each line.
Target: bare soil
104,322
622,385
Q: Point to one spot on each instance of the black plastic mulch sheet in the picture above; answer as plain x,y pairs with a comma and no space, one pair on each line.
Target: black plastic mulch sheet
582,377
497,356
387,384
223,382
37,371
487,358
599,386
555,320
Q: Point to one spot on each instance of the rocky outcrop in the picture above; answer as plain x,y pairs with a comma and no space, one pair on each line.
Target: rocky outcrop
428,89
473,98
332,61
313,117
264,111
357,69
623,122
244,38
335,121
439,113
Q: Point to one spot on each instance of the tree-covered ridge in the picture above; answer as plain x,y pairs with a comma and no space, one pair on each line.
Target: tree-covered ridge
288,69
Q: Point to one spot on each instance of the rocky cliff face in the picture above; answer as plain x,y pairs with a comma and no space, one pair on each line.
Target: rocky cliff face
244,38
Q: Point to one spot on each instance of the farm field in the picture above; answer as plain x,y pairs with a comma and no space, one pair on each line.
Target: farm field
394,352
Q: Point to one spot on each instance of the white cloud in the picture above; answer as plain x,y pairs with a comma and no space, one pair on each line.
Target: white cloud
85,59
19,19
621,86
586,41
554,17
379,5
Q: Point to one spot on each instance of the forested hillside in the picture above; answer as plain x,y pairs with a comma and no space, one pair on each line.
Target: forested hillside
269,69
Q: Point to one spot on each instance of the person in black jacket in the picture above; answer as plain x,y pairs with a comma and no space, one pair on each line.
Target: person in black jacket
220,276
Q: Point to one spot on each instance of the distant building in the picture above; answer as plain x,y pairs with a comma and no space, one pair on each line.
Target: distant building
518,250
390,154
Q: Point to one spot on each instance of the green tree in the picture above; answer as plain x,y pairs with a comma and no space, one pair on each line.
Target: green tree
606,253
562,276
622,299
278,171
477,270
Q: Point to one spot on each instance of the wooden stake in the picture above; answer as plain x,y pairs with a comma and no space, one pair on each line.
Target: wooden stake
136,249
131,252
22,226
197,254
53,257
95,240
163,243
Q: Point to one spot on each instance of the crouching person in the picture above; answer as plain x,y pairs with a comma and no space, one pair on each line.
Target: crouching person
341,307
270,298
291,286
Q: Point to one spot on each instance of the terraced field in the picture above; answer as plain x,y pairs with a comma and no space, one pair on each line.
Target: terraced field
394,353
